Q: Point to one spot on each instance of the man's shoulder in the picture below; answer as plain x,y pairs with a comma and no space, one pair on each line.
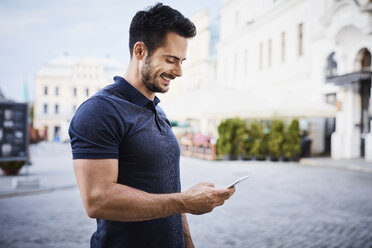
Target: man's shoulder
95,103
106,98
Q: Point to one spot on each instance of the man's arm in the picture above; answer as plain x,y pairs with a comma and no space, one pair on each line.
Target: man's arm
186,233
104,198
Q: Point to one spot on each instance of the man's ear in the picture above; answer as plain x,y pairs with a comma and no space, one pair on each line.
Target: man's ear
139,50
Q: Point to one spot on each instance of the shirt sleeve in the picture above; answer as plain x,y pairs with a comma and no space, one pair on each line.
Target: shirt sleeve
96,130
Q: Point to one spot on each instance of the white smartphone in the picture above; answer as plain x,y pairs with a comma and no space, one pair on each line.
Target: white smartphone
238,181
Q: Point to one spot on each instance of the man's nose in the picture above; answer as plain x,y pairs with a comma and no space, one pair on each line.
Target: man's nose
178,70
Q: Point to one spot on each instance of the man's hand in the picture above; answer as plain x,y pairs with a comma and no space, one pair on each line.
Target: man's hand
204,197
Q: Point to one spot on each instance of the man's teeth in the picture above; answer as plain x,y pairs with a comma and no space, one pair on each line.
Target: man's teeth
166,78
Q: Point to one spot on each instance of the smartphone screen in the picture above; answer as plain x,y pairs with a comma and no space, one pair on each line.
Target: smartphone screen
238,181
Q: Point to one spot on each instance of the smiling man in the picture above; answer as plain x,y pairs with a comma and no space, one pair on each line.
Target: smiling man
126,157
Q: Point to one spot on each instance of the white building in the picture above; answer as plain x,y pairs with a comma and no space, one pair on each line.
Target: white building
287,59
347,49
184,101
63,84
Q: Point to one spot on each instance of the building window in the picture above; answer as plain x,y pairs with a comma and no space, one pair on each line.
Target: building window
300,39
246,62
87,92
236,19
283,46
56,109
75,91
45,90
331,98
260,56
236,66
225,71
331,69
45,108
57,91
269,53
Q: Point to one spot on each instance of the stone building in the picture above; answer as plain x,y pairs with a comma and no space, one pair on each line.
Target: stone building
63,84
306,59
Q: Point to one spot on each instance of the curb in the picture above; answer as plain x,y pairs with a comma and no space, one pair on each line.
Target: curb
8,194
350,167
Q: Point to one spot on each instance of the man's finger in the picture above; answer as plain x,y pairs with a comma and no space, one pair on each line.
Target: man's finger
221,203
223,193
231,191
208,184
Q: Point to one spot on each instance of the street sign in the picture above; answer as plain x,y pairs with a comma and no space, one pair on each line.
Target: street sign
13,131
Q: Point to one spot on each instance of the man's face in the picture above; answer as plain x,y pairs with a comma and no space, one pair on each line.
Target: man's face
164,64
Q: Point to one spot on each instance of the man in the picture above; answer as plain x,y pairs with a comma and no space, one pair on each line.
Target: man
126,158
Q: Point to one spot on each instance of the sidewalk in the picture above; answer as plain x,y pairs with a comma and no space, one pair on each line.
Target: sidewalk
51,166
359,164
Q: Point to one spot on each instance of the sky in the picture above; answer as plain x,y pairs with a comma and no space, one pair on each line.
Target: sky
32,32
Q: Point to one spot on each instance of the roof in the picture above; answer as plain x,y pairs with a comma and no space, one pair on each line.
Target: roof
63,66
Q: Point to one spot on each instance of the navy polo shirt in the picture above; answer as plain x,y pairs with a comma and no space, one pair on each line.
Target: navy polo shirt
119,122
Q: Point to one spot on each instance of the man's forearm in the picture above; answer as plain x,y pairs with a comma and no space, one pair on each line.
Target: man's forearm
122,203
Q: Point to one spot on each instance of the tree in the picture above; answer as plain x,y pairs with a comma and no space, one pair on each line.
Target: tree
31,115
233,134
276,139
292,142
257,140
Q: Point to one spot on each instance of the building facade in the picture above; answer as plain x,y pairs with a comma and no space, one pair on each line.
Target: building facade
290,59
62,85
348,66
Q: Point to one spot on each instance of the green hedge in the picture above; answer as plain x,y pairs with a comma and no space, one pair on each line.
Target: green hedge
275,139
257,147
237,139
233,135
292,142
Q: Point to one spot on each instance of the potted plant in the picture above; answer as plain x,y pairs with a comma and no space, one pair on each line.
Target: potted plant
11,167
292,142
258,141
233,134
275,140
247,146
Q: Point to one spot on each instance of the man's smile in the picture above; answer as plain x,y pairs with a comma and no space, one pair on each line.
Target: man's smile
167,78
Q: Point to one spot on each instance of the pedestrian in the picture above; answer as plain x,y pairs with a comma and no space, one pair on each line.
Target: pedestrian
126,157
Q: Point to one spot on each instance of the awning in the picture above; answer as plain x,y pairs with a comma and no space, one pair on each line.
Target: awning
350,78
251,104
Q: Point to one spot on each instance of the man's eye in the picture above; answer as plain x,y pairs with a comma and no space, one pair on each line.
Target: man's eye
170,61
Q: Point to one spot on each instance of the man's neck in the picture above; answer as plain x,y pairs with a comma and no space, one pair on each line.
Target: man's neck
133,77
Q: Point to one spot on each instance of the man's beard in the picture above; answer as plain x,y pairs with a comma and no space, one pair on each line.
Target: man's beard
148,79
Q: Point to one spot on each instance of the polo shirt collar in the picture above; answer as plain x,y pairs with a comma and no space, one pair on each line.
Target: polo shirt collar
131,93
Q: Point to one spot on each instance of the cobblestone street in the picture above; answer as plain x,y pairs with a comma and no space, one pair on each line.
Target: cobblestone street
281,205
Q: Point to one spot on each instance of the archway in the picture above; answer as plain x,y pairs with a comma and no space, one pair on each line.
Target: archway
363,64
362,61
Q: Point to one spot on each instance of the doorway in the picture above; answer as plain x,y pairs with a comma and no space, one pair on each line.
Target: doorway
56,133
364,61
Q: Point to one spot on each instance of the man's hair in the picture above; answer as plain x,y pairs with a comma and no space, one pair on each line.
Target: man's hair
152,25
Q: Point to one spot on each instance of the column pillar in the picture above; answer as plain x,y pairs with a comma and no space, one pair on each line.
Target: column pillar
346,140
